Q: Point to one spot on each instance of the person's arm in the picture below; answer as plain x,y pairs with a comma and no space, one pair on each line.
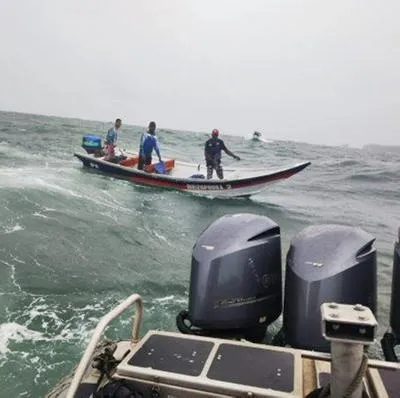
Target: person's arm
107,141
157,148
141,145
228,152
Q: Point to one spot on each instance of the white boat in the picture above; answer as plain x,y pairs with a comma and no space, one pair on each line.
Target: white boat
257,136
191,178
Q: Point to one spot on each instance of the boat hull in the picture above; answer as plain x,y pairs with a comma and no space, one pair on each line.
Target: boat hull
238,187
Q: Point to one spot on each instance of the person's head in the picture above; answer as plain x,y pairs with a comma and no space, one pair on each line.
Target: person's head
152,127
118,123
215,133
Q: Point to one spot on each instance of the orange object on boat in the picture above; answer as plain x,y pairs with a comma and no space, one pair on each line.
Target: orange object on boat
130,162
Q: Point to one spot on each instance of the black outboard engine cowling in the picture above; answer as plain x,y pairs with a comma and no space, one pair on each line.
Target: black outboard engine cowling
326,263
236,278
395,302
392,338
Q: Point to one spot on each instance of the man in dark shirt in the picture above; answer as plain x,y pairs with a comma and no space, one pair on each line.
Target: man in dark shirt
212,153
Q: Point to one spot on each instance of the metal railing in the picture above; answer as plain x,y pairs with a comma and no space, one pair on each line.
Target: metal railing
98,332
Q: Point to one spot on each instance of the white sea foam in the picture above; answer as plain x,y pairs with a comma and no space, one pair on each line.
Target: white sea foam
17,259
12,274
77,328
14,228
40,215
13,331
169,299
161,237
164,299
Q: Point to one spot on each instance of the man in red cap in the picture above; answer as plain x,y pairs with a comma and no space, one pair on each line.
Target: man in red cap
212,153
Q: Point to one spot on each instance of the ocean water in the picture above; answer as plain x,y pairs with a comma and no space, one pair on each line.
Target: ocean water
74,243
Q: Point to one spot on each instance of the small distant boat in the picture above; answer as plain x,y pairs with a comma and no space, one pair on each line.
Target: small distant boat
188,177
257,136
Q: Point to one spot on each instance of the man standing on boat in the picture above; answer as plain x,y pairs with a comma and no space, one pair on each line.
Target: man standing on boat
148,143
111,140
212,153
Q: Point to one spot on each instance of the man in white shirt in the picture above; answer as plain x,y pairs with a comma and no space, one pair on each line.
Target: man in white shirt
111,140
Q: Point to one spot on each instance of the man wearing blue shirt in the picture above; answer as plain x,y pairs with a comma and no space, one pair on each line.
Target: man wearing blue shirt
148,143
111,140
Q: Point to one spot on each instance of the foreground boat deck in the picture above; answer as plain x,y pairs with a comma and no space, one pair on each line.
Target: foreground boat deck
177,366
230,368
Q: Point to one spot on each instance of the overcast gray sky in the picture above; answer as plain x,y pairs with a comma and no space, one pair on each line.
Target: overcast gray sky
317,71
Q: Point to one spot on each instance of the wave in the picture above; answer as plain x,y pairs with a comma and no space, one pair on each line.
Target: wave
19,154
350,163
375,176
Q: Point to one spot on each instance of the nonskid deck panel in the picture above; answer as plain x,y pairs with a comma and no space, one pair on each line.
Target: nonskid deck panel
170,354
391,381
269,369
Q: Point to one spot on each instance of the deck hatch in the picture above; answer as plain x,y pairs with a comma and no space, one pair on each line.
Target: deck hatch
172,354
253,366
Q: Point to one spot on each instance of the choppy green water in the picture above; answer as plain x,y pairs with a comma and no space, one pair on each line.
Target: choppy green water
74,243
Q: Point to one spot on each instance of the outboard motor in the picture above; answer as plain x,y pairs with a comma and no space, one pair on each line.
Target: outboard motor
236,279
392,338
326,263
92,144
